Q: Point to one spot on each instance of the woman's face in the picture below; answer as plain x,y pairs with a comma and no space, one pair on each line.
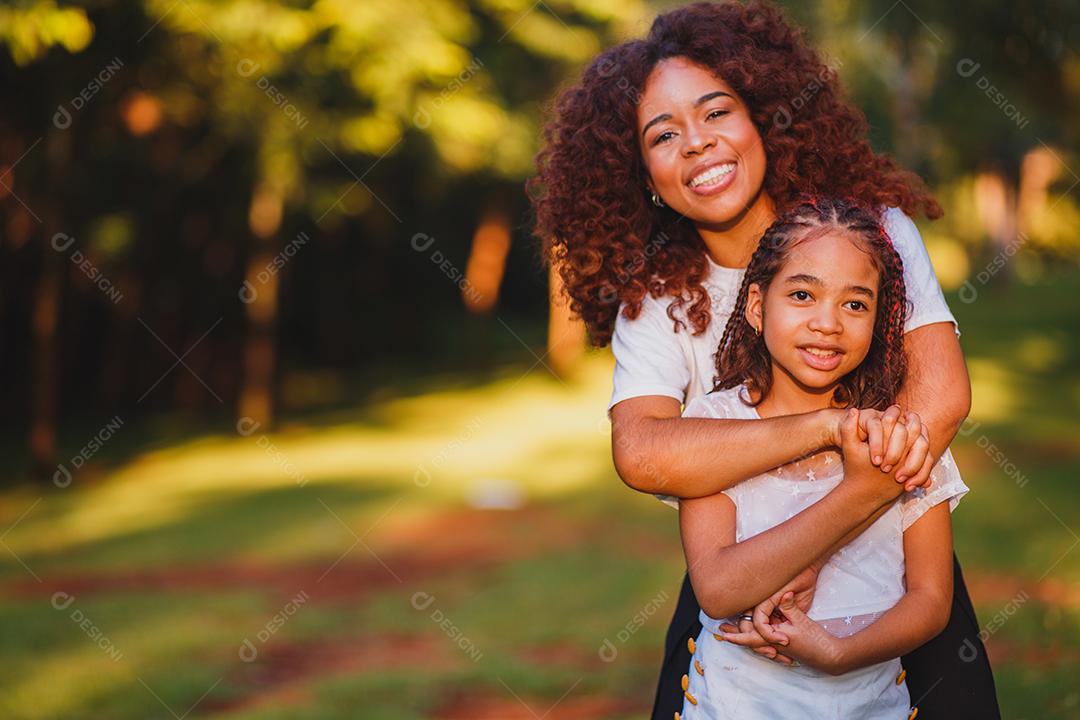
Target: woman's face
818,312
702,152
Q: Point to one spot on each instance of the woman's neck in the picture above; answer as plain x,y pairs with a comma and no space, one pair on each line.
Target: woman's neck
732,244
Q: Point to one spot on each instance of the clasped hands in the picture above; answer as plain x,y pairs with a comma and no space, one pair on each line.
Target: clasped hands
895,443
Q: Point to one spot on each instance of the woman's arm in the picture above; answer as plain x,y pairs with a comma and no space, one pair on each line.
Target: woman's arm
656,450
937,389
919,616
937,384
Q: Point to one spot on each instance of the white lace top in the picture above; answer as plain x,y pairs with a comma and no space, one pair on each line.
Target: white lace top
864,578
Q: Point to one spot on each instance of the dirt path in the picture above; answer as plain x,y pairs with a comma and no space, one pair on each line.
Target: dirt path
404,552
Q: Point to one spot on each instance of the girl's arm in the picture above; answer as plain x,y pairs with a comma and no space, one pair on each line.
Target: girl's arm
802,586
729,577
920,615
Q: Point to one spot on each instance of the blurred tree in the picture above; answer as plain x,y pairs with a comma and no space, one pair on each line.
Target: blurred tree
30,29
235,187
949,89
195,147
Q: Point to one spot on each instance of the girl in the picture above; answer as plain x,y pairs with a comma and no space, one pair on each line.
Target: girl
817,323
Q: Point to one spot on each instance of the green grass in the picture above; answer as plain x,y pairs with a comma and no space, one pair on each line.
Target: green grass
521,601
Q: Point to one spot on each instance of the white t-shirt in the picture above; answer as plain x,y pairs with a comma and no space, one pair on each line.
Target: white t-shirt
652,359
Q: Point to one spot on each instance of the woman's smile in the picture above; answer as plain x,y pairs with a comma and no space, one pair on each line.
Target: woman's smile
715,178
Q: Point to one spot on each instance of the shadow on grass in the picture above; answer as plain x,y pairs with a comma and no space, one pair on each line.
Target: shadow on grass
236,524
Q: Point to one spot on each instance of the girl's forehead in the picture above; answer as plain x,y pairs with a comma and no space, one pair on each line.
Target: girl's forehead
834,256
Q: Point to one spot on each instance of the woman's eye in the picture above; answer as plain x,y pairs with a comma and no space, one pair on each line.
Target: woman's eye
716,113
800,295
662,137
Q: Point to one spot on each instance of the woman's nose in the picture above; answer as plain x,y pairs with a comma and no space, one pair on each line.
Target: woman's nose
697,141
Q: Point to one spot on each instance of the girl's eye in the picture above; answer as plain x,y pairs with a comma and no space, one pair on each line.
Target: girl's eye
716,113
857,305
800,295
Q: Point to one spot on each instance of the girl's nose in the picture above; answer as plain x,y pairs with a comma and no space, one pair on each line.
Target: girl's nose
825,320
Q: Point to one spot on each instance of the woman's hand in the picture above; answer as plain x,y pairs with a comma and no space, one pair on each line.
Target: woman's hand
898,441
798,636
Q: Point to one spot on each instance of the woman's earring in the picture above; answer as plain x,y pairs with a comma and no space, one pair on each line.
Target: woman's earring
757,330
657,201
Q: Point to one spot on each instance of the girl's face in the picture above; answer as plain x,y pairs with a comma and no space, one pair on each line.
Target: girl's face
817,315
703,154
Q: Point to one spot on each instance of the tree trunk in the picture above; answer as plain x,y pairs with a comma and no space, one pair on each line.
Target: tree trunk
1040,168
566,333
995,203
46,317
487,260
260,296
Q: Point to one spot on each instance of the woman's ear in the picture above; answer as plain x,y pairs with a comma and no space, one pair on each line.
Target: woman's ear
753,312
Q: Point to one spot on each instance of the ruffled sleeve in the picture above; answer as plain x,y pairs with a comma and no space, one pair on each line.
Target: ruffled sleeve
945,484
714,405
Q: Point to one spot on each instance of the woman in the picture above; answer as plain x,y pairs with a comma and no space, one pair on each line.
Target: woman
662,168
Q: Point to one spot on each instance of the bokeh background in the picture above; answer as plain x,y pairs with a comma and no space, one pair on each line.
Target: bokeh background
296,425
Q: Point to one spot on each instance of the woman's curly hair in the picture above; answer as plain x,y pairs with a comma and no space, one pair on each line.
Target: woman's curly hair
742,355
593,216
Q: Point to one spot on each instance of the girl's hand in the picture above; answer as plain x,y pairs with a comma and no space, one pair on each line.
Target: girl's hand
803,585
747,636
898,441
798,636
858,463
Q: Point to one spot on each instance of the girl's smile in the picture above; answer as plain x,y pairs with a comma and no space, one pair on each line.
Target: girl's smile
822,358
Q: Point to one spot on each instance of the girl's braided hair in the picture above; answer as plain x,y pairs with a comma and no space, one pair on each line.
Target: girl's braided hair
875,383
